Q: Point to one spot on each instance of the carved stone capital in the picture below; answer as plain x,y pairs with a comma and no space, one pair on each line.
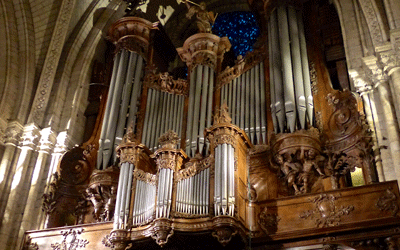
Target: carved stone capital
205,49
389,59
132,34
13,133
30,136
47,140
62,142
360,81
375,70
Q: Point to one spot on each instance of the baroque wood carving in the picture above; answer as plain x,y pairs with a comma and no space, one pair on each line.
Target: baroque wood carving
388,202
326,213
70,241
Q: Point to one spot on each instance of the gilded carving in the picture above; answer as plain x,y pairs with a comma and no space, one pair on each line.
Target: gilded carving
70,241
165,82
326,213
223,115
204,49
205,19
268,221
388,202
169,140
162,231
224,234
139,174
313,78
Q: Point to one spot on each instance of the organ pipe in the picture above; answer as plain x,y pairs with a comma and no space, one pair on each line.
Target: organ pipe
291,56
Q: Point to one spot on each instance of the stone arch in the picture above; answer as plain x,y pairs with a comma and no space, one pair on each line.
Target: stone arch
8,76
376,21
26,56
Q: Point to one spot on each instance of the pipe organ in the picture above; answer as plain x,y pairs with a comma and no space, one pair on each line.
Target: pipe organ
197,155
292,105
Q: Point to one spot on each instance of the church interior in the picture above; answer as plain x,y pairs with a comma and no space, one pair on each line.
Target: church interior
188,124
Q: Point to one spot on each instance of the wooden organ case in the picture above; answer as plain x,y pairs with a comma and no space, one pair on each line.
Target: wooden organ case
243,154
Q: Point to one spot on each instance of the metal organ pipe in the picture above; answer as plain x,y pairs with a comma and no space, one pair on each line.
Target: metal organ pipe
121,122
121,213
271,83
203,108
107,111
136,91
224,186
305,68
293,60
263,103
297,67
290,103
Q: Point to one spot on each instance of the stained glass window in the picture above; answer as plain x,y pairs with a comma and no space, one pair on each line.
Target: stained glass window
240,27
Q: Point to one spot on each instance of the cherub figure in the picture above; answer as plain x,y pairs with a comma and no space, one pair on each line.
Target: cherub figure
309,163
97,202
204,19
290,169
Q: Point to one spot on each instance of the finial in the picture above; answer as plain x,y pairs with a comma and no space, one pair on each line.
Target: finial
223,116
169,139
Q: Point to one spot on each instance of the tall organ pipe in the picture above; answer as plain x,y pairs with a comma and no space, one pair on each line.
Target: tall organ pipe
306,72
290,104
107,111
136,91
203,108
115,104
297,67
291,56
125,100
191,108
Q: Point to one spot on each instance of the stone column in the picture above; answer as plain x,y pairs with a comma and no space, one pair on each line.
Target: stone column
381,81
30,219
12,136
390,61
366,92
20,185
62,144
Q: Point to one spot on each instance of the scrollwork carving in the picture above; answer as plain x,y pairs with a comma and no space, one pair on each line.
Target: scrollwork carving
388,202
70,241
139,174
165,82
326,213
268,221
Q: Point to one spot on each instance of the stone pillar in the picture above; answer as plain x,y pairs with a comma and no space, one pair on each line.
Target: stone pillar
19,187
62,144
366,92
381,81
12,136
30,219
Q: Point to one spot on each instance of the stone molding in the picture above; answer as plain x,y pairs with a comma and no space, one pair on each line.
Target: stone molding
54,51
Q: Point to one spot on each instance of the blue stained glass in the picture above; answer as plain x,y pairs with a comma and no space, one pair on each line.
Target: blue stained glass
240,27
